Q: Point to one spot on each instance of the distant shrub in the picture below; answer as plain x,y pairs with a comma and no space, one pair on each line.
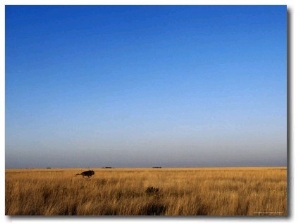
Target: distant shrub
157,167
152,190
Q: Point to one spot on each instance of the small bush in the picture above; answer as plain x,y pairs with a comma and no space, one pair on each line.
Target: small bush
152,190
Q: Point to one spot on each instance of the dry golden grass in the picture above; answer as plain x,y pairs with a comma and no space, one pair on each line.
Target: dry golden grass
181,191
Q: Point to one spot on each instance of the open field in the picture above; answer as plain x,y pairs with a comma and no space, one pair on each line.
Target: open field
147,191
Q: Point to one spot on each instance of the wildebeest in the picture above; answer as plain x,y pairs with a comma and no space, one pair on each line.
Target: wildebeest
88,173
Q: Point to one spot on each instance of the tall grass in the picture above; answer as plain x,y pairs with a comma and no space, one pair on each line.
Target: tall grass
173,191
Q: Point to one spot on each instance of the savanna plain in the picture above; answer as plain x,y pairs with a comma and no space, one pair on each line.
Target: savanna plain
147,191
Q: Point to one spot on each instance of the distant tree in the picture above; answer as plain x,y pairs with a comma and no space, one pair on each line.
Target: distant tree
88,173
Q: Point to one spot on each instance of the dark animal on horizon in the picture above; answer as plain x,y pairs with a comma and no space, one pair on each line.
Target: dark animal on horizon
88,173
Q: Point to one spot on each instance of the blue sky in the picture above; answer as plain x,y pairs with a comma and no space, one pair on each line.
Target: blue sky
135,86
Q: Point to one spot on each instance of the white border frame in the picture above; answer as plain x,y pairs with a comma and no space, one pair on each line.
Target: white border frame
293,7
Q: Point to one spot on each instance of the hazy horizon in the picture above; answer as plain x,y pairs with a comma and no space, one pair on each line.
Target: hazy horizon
144,86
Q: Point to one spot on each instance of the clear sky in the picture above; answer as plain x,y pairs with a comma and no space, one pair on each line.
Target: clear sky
139,86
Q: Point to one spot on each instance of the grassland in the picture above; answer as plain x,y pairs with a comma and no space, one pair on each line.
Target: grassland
166,191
